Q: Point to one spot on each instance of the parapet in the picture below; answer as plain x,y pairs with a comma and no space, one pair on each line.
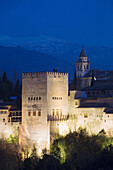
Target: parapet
42,74
33,74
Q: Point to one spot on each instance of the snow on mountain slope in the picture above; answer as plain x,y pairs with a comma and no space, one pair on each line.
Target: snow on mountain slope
100,57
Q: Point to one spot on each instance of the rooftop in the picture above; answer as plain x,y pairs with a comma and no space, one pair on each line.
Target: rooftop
82,54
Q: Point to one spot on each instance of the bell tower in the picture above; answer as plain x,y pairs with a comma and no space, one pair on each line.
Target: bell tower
82,65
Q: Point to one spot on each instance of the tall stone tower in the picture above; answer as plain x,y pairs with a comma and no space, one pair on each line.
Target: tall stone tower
44,98
35,128
82,65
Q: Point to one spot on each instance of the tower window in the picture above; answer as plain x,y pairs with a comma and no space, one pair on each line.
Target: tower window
34,113
29,113
76,103
28,98
57,114
87,67
60,112
39,113
31,98
3,119
85,115
34,98
53,112
39,98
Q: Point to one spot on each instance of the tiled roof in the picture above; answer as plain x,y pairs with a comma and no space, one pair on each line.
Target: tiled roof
109,110
93,88
93,105
100,74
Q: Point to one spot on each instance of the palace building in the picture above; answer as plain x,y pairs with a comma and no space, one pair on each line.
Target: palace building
50,109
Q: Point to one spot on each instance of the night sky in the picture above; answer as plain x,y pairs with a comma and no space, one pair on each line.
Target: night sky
80,21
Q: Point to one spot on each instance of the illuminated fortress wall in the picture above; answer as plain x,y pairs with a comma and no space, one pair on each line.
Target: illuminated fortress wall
34,128
48,111
57,95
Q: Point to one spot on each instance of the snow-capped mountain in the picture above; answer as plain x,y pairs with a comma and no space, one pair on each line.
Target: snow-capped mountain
100,57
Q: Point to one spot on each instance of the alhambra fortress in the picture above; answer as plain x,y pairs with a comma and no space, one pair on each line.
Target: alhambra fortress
50,107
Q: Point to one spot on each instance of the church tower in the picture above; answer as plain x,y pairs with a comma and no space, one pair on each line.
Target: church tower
82,65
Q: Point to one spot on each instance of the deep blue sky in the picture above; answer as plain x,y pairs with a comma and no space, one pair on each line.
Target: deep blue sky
80,21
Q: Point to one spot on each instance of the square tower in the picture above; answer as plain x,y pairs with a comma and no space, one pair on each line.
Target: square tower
43,94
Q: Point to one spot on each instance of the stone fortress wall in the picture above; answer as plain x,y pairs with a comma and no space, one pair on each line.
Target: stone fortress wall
48,110
35,128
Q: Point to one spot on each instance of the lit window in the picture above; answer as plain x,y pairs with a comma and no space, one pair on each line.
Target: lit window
8,119
34,113
53,112
39,113
57,113
60,112
75,102
29,113
85,115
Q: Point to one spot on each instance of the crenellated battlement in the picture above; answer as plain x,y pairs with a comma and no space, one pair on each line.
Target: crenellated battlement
42,74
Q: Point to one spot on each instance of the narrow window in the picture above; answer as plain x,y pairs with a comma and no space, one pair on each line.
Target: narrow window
39,98
39,113
60,112
29,113
75,102
88,94
34,98
53,98
85,115
31,98
34,113
53,112
57,113
8,119
28,98
3,119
